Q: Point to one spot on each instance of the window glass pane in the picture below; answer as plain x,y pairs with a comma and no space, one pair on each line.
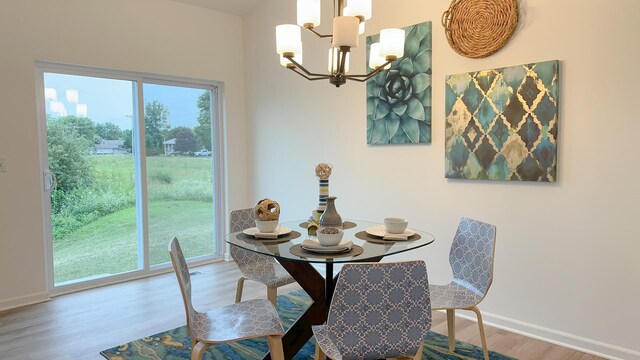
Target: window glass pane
93,208
179,170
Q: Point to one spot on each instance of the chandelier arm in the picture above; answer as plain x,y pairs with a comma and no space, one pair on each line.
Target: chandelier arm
369,75
308,77
298,65
317,33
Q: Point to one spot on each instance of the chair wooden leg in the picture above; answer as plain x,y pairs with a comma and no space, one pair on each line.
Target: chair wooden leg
451,326
319,355
239,289
275,347
483,338
198,350
272,294
419,353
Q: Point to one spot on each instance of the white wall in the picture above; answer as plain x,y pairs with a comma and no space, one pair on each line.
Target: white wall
567,264
151,36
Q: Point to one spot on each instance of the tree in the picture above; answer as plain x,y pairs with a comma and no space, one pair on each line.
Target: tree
108,131
127,136
185,139
203,131
156,125
68,155
82,126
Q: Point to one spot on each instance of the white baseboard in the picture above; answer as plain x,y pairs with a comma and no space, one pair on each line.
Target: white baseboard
25,300
575,342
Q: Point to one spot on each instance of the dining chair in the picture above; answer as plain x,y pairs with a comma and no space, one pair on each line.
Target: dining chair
378,310
245,320
471,258
253,266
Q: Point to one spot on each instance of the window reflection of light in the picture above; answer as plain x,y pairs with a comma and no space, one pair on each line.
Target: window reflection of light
58,108
50,94
72,96
81,110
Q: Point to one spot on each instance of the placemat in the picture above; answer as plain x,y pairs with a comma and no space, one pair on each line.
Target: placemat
297,250
363,235
345,225
250,239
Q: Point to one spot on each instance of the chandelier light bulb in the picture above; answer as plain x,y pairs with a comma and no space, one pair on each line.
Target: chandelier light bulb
288,39
309,13
392,43
333,61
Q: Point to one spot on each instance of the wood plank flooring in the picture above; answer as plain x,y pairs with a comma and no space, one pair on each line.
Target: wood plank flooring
80,325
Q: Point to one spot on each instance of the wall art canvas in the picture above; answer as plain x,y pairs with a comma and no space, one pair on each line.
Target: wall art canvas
502,124
399,98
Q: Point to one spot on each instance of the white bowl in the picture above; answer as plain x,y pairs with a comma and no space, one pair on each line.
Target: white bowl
329,239
267,226
395,225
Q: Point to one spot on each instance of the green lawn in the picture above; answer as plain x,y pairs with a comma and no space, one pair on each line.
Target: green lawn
180,193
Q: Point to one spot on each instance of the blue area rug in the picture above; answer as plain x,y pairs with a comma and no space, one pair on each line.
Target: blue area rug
176,344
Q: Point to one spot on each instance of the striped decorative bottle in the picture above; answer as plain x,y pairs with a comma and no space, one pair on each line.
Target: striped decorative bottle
322,198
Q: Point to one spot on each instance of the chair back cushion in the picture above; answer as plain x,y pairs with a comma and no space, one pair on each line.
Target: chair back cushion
472,254
251,264
380,310
184,279
241,220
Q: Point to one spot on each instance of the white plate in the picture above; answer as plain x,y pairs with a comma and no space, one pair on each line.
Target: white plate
325,250
380,231
280,230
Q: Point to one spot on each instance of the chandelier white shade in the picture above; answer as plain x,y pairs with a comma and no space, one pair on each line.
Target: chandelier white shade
375,59
308,13
288,39
345,31
392,42
348,24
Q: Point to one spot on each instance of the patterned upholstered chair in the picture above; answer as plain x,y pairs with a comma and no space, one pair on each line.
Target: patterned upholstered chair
378,310
471,259
250,319
254,266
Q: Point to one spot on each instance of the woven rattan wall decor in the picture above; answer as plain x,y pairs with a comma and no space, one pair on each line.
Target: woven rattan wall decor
479,28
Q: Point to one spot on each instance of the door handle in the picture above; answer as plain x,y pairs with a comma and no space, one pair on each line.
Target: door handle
50,181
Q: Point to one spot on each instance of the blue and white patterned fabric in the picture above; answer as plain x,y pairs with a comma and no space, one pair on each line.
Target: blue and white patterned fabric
471,259
254,266
378,310
244,320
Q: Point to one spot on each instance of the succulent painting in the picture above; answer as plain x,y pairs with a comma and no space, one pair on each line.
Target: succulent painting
399,98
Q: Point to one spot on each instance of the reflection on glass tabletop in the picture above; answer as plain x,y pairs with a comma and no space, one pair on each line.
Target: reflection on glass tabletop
372,249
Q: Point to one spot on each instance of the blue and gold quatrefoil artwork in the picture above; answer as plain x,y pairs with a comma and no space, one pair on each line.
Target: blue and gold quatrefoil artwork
502,124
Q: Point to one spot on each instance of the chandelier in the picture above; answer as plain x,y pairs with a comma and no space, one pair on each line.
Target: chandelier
348,24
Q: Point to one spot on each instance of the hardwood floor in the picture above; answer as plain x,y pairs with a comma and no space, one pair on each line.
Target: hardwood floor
80,325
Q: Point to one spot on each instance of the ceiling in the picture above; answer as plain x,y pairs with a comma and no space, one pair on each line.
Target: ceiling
237,7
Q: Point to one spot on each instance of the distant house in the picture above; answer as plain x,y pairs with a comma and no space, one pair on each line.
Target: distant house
109,147
169,146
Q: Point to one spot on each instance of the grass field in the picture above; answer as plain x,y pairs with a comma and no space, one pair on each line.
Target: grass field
180,193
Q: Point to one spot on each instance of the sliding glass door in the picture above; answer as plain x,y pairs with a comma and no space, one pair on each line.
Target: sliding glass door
130,162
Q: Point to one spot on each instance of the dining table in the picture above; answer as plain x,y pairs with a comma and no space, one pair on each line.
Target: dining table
368,245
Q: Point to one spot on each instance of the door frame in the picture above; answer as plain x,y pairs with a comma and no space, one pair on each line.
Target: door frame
219,160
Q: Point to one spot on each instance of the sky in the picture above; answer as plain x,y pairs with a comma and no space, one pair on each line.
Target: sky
111,100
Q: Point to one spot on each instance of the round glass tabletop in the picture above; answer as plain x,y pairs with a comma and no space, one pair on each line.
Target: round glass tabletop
365,236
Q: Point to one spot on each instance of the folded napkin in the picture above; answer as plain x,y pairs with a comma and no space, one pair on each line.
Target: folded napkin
264,235
313,244
389,236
